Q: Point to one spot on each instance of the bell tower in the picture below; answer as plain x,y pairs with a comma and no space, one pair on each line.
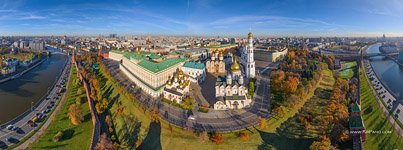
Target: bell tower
250,62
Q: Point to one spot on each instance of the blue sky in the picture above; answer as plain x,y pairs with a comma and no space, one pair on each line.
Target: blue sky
202,17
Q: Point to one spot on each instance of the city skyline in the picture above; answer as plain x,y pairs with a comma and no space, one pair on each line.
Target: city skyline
202,18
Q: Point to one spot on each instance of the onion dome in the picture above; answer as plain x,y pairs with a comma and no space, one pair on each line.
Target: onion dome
249,35
221,54
180,72
235,66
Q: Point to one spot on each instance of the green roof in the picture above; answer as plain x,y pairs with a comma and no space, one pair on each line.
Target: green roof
159,66
355,122
219,46
149,64
355,108
194,65
142,55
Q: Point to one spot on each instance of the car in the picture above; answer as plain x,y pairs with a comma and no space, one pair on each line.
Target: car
3,145
10,127
49,107
46,111
12,140
191,117
35,119
42,116
52,102
31,123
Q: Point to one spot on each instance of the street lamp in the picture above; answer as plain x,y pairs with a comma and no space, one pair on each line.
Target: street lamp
31,105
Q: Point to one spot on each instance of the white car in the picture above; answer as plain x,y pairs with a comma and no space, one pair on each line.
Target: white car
191,117
11,127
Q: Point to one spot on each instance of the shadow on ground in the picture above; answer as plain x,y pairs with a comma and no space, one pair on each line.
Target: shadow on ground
283,142
153,138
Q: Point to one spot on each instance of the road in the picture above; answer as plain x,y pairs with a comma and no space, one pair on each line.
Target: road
213,121
12,137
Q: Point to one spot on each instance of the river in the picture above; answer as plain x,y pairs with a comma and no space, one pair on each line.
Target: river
17,95
389,72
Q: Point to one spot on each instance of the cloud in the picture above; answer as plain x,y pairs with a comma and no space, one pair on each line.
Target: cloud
263,19
19,15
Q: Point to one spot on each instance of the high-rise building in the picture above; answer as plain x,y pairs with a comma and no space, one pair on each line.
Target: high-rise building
247,58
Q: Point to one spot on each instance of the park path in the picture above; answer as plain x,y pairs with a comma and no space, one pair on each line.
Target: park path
385,111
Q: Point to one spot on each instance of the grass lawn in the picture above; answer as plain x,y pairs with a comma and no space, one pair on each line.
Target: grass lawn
347,69
74,137
375,120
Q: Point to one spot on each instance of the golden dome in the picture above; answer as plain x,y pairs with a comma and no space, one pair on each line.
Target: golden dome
235,66
138,52
180,72
249,35
212,54
221,54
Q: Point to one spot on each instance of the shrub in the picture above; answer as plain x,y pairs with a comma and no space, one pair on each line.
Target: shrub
78,100
79,92
203,136
58,136
217,138
244,136
203,110
75,114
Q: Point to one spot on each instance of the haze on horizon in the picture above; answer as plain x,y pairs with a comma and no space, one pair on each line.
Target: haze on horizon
202,17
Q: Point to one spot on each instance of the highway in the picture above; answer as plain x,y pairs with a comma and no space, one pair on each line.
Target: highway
9,137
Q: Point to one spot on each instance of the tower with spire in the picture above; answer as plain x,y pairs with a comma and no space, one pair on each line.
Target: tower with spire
247,58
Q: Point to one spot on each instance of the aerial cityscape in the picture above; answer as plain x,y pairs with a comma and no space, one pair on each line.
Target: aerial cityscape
201,74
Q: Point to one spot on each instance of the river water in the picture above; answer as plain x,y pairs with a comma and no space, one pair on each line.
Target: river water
388,71
17,95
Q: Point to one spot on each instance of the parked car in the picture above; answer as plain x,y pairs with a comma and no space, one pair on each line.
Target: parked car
35,119
12,127
3,145
12,140
31,123
46,111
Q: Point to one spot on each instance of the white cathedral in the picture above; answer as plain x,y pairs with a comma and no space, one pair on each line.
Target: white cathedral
231,92
247,58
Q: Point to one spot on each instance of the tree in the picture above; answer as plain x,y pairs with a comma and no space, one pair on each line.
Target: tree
78,100
188,102
280,111
217,138
322,144
251,89
339,133
291,85
104,143
262,123
79,92
108,120
75,114
203,136
101,106
244,136
341,112
277,80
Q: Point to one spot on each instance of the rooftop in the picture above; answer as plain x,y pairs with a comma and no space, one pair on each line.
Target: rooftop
194,65
355,122
152,61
